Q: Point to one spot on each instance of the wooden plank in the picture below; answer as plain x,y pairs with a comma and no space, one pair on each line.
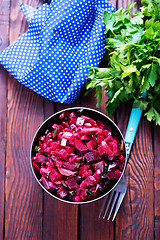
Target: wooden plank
23,213
3,111
135,219
157,181
60,219
4,38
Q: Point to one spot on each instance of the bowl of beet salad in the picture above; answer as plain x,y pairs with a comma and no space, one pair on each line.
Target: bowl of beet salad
78,155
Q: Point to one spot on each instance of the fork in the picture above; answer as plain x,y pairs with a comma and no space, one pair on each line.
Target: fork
116,196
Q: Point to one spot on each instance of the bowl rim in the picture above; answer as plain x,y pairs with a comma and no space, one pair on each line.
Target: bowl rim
58,113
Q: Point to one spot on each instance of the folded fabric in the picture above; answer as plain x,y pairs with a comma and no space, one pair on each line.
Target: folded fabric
63,38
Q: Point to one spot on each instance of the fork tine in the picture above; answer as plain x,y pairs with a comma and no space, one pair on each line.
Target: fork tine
114,201
103,204
120,199
109,202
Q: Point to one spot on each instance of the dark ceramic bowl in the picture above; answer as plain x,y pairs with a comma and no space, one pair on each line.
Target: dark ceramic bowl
94,114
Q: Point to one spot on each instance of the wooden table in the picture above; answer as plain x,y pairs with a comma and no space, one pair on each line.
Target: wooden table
26,211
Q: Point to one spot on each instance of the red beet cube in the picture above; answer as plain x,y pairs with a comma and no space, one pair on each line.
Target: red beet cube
69,166
90,145
63,153
71,183
114,174
79,145
58,163
98,165
54,175
107,149
91,156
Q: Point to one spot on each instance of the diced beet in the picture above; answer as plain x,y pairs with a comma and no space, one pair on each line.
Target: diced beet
85,137
90,145
54,175
71,183
98,165
72,118
120,164
90,156
72,115
83,169
100,149
69,149
114,174
55,145
91,130
65,124
107,148
90,120
66,172
63,153
36,166
108,138
96,175
62,192
40,158
59,163
89,181
69,166
77,135
78,159
100,138
75,158
79,145
47,184
122,158
87,173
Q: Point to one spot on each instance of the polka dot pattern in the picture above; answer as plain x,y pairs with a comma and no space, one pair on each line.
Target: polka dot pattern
63,38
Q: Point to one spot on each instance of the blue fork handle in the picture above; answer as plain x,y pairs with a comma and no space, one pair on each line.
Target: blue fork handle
132,127
133,123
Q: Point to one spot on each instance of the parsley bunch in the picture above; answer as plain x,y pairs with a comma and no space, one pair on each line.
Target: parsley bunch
133,60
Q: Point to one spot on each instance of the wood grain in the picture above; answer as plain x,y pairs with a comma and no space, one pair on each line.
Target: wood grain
136,216
3,112
23,212
157,181
4,39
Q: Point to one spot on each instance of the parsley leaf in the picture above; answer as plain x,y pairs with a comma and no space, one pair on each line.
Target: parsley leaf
132,59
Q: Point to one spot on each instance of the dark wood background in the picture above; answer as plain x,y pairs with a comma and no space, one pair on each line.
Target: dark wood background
26,211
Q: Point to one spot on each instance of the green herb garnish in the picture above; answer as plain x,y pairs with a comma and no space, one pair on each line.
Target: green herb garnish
36,149
88,193
133,58
55,130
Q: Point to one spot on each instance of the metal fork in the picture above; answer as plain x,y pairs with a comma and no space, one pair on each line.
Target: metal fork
118,193
116,197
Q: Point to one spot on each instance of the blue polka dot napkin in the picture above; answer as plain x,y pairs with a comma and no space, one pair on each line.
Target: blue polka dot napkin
63,38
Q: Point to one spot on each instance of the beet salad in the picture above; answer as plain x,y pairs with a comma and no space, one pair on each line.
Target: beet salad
78,158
